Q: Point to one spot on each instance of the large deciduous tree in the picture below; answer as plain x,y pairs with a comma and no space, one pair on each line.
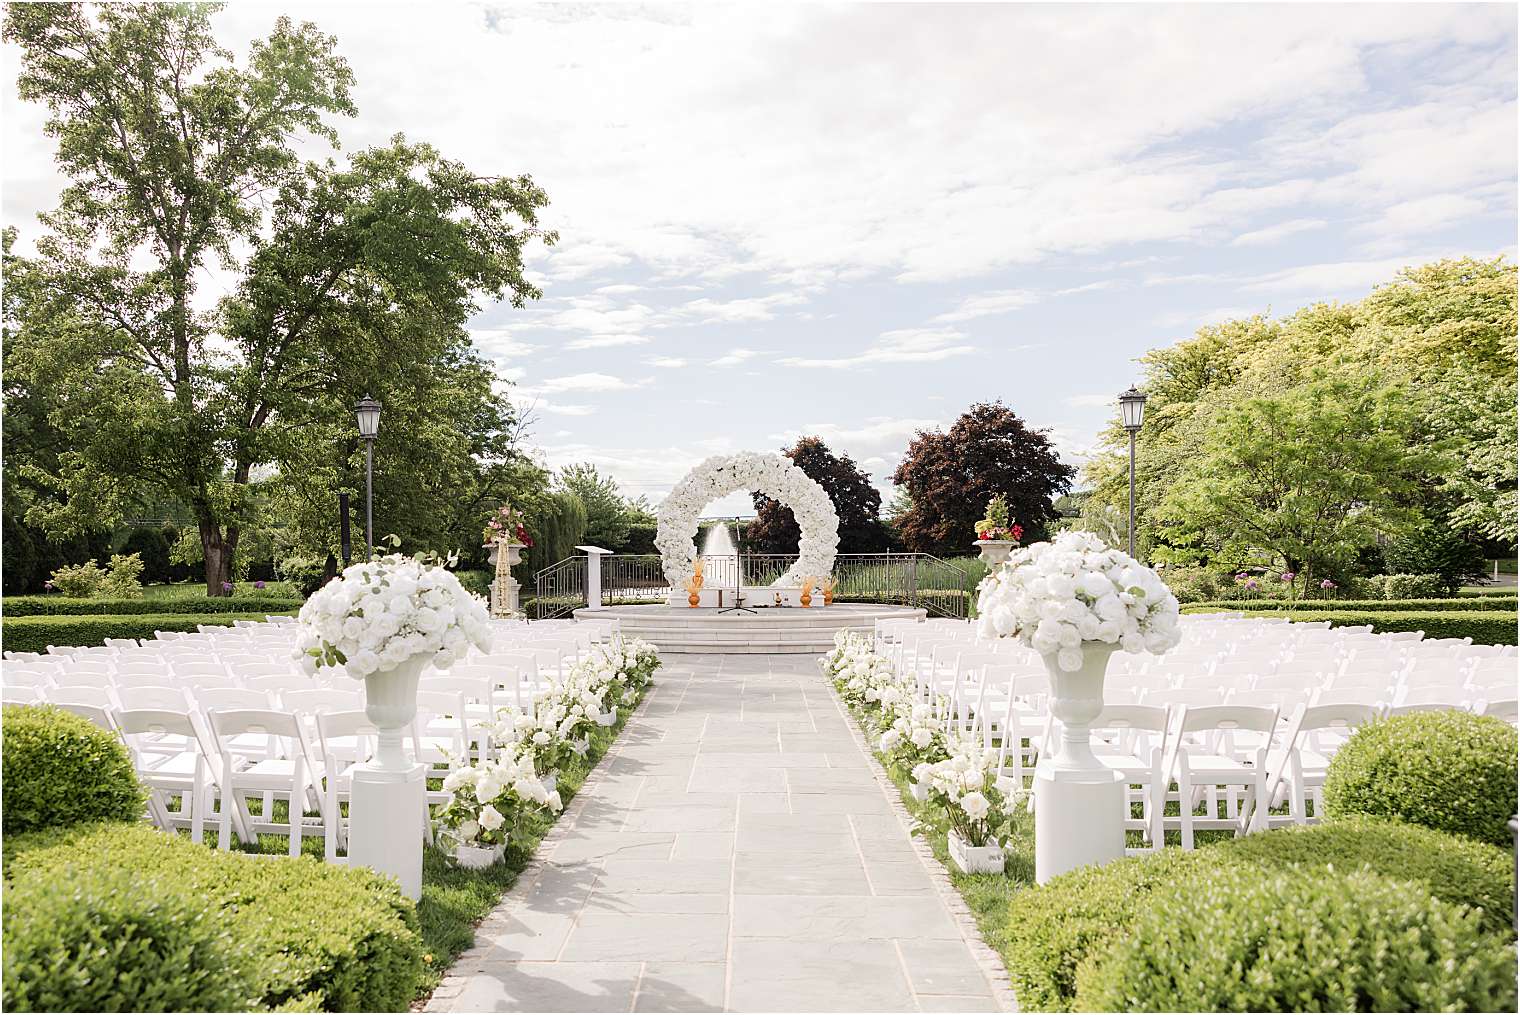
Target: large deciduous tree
608,518
358,278
856,501
951,475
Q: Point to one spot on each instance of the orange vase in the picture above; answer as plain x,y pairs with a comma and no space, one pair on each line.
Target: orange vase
807,600
695,599
828,598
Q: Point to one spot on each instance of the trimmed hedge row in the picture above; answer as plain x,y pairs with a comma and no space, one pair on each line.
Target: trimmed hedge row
1469,604
35,634
290,931
59,606
1324,941
1446,770
1484,627
1074,921
1498,590
59,769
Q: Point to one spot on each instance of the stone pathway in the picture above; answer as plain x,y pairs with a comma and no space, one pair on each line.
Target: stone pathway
735,851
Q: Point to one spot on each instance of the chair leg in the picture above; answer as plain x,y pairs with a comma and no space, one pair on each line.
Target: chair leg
224,822
1185,808
194,802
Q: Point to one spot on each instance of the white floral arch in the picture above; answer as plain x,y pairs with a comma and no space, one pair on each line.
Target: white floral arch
773,475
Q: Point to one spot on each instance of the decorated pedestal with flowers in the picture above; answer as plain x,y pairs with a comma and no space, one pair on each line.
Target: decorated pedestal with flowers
1076,602
505,537
383,622
997,534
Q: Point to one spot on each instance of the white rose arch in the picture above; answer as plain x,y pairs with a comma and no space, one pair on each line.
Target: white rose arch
772,475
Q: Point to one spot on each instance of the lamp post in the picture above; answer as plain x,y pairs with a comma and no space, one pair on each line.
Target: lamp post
367,410
1132,410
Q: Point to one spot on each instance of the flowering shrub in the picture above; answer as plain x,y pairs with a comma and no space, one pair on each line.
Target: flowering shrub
1054,596
383,612
123,580
860,674
964,786
79,581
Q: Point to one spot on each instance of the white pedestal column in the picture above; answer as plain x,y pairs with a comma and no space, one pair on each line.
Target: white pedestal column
1078,801
594,555
385,824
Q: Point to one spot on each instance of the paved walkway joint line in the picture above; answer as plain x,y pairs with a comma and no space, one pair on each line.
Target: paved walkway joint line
734,852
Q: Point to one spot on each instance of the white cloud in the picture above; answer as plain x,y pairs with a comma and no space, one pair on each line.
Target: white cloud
588,382
1428,214
1198,319
1279,231
666,362
1334,276
908,345
1091,401
734,357
606,341
985,304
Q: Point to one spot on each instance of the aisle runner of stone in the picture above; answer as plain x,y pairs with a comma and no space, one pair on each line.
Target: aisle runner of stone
734,852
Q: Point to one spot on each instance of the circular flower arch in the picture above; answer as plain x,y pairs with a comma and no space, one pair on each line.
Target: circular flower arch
773,475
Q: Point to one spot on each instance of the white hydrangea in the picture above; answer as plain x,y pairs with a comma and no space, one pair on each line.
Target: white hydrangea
1054,596
773,475
384,611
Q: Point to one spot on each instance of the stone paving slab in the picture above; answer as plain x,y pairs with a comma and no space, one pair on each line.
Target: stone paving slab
738,850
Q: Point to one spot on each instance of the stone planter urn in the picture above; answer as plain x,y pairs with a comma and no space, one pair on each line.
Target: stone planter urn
975,859
1078,809
479,857
514,553
390,702
995,551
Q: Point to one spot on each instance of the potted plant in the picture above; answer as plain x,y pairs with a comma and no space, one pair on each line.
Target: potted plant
506,522
997,534
963,785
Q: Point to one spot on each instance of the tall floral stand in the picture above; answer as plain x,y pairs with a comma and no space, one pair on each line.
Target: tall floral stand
504,588
1078,800
388,809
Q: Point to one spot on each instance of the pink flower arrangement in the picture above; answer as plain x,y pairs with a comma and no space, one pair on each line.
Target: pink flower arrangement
1327,584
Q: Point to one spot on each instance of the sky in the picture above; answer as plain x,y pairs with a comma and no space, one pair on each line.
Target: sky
854,221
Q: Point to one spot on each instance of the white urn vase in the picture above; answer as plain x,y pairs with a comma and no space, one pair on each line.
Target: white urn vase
514,554
1078,800
478,857
390,702
995,551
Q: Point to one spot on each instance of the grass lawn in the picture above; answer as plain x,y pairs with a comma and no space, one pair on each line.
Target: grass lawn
197,590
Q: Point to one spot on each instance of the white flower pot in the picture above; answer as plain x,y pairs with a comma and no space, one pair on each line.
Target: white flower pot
390,702
607,718
975,859
918,791
514,554
551,782
1076,699
995,551
478,857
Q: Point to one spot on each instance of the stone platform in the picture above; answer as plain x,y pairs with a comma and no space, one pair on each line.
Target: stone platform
767,631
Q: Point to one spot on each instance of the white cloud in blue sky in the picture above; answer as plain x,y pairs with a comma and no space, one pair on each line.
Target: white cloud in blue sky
855,221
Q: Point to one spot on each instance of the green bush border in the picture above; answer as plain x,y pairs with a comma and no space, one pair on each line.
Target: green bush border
62,606
60,769
35,634
1491,627
1471,604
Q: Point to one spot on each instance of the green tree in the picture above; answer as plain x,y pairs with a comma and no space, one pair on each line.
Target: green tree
356,274
607,516
1302,480
856,501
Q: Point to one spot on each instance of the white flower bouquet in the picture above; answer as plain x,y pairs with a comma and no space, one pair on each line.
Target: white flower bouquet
387,610
489,796
1055,596
914,737
964,786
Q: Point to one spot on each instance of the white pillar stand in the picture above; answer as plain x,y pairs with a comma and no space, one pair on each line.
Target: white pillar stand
1078,800
385,824
594,555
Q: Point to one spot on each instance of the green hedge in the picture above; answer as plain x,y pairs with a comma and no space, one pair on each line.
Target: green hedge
1055,929
1300,941
35,634
1497,590
1484,627
315,935
1469,604
58,606
120,940
59,769
1447,770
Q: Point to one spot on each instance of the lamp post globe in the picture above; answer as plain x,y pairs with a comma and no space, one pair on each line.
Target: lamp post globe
367,411
1132,415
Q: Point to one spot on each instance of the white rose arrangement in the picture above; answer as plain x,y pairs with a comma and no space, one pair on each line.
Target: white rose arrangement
1054,596
384,611
914,738
773,475
964,786
488,796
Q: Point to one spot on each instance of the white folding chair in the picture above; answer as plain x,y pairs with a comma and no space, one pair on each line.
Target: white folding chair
286,769
1208,759
190,772
1132,739
1322,729
345,739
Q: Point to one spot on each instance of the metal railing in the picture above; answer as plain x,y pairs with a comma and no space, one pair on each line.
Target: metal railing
903,579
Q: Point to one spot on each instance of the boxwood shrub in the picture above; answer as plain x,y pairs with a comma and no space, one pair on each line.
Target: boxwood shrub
1464,604
1056,928
119,940
59,769
1300,941
35,634
1484,627
1447,770
316,936
57,606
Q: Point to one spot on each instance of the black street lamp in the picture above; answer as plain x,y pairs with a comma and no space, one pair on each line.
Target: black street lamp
368,412
1132,411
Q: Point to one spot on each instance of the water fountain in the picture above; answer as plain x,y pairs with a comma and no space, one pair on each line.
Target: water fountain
720,559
